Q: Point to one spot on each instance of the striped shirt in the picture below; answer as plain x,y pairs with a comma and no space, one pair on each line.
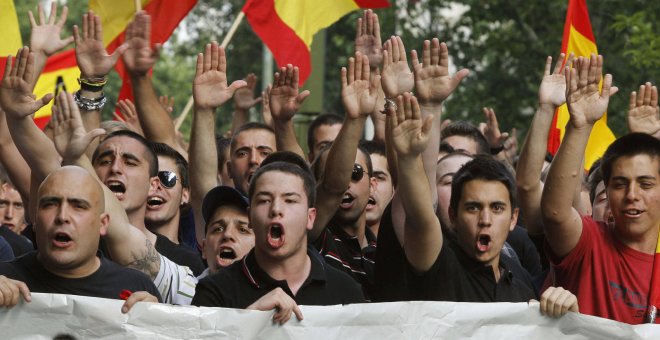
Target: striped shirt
175,283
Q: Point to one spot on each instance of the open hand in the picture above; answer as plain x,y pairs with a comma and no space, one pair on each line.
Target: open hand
396,77
244,97
358,91
643,112
433,84
285,98
367,38
69,136
410,134
45,36
91,55
586,104
16,96
553,86
140,56
491,129
210,88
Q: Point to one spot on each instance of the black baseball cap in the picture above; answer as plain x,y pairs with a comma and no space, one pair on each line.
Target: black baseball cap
221,196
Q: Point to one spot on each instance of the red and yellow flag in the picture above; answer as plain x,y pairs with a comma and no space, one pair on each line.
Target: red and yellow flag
61,64
117,14
288,26
579,39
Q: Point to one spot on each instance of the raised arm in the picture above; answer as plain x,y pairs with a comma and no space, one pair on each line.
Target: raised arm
45,36
643,112
95,64
139,58
11,159
358,95
210,90
243,101
552,94
410,137
19,103
586,104
285,100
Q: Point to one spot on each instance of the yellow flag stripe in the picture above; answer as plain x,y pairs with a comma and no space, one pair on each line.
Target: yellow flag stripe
11,34
306,17
46,84
115,16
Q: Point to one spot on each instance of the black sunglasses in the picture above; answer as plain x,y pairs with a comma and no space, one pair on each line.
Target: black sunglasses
358,173
167,178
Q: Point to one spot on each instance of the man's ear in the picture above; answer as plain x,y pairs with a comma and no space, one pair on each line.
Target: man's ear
452,214
154,183
514,219
311,216
105,222
204,247
373,185
185,196
231,173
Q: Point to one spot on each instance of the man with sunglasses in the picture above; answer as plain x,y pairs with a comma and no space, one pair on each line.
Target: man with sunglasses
345,183
165,205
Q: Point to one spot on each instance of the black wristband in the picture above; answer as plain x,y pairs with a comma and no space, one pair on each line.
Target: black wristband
495,151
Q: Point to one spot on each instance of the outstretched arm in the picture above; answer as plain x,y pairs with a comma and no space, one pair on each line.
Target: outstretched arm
285,100
210,90
10,158
586,104
358,95
643,111
552,94
139,58
410,137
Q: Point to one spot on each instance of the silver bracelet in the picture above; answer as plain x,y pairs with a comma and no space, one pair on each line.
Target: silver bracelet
88,104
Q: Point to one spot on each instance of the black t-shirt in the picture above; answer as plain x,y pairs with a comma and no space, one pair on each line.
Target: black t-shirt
179,254
106,282
390,268
244,282
524,247
344,252
19,244
456,277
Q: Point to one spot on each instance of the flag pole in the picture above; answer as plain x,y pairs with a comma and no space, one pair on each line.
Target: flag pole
138,6
225,42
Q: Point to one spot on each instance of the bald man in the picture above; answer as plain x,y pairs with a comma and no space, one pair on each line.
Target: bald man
70,219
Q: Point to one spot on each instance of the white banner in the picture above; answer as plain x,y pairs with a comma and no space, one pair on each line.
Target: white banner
84,317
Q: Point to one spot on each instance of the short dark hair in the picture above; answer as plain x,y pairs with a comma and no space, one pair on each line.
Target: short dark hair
324,119
162,149
222,144
374,147
446,148
309,184
465,129
247,127
595,176
150,155
316,165
632,144
483,167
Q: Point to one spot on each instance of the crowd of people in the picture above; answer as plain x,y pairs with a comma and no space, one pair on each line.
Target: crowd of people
427,210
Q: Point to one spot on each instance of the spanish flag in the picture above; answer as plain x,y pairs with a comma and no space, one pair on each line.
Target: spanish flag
288,26
579,39
59,65
117,14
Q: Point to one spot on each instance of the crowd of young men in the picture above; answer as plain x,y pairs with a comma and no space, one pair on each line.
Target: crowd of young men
426,211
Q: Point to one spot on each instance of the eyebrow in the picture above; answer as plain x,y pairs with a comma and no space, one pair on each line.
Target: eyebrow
49,199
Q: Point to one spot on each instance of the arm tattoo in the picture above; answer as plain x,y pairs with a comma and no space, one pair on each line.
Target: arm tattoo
146,260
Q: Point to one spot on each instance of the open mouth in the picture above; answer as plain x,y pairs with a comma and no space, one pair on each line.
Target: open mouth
227,254
118,188
155,201
347,200
61,239
275,235
483,243
632,213
371,203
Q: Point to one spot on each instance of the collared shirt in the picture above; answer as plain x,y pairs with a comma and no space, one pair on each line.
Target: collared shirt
244,282
344,252
457,277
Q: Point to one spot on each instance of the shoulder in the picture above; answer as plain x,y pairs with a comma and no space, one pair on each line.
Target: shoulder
341,283
213,290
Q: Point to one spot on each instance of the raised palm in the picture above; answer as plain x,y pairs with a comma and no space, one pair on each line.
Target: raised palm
643,111
140,57
433,84
69,136
210,88
45,35
244,97
410,134
91,55
16,97
396,77
285,96
553,86
359,93
586,104
367,39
